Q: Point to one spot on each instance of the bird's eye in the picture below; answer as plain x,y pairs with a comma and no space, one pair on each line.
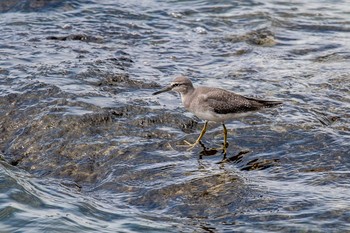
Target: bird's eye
176,84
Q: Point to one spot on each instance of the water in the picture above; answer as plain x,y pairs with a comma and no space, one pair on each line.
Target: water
86,147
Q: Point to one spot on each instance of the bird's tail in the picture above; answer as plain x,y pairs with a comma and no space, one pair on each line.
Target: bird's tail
267,103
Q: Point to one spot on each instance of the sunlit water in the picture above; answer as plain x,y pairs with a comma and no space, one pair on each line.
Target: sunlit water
86,147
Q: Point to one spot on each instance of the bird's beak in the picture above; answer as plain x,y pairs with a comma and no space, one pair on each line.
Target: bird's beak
165,89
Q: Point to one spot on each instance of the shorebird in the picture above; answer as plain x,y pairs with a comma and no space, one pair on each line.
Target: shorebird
214,104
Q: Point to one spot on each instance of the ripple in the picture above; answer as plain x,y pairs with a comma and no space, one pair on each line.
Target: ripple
86,147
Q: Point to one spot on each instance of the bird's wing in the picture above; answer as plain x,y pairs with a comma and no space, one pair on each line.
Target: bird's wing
225,102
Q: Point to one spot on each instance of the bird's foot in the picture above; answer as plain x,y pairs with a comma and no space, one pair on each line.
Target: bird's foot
223,148
191,145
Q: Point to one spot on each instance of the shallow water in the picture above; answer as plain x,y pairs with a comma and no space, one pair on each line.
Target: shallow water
86,147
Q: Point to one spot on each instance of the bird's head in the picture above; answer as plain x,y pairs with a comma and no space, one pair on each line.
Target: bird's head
180,84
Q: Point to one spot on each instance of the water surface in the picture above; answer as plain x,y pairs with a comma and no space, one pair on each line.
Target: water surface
86,147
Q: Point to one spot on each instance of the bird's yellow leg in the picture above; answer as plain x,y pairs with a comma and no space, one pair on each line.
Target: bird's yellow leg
192,145
225,145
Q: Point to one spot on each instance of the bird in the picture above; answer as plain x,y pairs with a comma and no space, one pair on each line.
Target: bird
214,104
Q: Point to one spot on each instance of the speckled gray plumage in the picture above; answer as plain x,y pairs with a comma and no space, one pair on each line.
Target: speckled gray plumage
215,104
224,102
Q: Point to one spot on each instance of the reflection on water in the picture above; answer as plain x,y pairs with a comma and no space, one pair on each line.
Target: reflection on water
86,147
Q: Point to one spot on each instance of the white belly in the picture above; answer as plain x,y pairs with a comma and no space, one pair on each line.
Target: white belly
212,116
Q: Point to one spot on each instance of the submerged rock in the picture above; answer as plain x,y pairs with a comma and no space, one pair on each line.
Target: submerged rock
81,37
261,37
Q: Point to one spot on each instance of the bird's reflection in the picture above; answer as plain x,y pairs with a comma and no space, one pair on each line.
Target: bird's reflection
206,151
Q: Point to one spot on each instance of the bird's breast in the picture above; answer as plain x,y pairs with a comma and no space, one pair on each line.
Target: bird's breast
186,102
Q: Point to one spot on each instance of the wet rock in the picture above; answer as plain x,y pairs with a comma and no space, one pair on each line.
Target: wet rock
223,191
315,50
261,37
333,57
32,5
38,134
80,37
328,120
260,164
167,118
125,81
4,71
